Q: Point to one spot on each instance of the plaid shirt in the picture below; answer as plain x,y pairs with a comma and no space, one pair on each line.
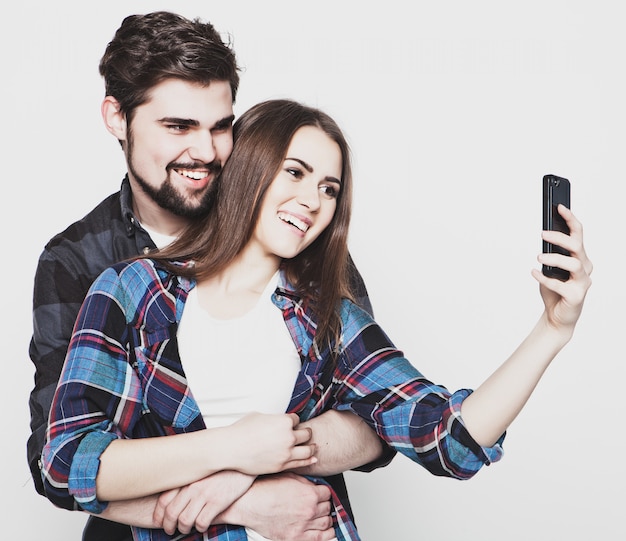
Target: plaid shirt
67,267
123,378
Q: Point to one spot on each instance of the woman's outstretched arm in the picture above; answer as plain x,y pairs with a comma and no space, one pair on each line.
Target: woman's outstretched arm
491,408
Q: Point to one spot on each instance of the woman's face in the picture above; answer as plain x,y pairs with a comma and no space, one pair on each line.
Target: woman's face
301,201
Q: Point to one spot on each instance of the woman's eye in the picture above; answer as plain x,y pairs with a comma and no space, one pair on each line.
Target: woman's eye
330,191
294,172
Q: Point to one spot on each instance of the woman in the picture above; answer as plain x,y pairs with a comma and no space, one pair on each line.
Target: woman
276,237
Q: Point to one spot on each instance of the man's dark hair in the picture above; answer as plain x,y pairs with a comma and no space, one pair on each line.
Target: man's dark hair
148,49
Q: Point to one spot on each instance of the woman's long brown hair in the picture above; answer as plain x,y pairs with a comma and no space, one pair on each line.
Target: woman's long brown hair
261,139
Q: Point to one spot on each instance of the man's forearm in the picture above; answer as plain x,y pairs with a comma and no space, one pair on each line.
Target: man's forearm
211,496
344,442
284,506
137,512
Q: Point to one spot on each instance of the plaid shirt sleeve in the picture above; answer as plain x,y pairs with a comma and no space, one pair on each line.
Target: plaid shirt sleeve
419,419
97,393
67,267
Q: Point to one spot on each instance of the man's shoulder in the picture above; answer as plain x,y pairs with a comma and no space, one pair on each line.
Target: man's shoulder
103,218
86,247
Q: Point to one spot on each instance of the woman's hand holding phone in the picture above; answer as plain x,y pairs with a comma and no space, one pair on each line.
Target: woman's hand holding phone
563,300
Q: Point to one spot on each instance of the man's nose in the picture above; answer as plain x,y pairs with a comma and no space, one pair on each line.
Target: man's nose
202,147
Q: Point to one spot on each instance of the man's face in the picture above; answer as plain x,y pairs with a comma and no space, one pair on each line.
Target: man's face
178,141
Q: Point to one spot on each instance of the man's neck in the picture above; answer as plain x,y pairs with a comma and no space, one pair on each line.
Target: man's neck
154,217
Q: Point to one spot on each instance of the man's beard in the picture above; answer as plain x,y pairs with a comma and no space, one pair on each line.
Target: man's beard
169,199
166,195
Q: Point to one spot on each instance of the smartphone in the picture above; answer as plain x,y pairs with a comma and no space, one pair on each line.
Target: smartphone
556,190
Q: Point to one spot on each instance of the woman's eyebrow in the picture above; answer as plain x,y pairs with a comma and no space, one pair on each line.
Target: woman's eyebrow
309,168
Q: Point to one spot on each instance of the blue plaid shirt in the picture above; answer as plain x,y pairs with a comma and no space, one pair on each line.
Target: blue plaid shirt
123,378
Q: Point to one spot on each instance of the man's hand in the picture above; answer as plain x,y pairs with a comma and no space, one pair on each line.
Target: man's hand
197,504
284,507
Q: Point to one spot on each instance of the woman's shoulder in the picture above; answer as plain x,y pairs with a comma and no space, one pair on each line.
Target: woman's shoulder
359,329
144,289
128,271
351,311
135,275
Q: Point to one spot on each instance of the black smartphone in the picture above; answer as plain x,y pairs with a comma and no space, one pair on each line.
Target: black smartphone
556,190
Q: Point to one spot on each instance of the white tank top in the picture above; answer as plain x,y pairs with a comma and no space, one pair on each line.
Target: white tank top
240,365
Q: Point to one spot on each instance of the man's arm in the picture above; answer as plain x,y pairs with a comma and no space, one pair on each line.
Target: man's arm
344,442
283,506
57,296
278,506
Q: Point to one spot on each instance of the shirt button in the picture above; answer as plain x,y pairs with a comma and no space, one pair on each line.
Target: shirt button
146,250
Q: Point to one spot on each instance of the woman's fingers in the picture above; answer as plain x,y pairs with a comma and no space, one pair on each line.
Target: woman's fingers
573,242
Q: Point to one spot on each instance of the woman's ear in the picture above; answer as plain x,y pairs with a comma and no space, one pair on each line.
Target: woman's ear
114,119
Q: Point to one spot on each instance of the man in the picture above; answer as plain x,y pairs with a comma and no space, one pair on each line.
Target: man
170,88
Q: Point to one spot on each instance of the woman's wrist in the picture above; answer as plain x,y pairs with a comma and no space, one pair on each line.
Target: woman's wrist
555,336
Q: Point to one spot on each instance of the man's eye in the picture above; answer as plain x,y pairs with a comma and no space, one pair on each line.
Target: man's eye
222,129
178,128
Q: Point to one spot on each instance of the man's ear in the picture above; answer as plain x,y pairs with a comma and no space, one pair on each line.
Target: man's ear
114,120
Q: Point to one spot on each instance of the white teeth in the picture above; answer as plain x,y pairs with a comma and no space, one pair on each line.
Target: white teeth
293,221
193,175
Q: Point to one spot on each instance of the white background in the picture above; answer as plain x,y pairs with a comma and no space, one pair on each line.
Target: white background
454,110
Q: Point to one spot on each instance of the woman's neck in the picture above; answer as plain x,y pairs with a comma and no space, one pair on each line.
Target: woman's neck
236,290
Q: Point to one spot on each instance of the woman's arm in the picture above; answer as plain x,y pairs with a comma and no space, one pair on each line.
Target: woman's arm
282,506
101,399
455,434
491,408
256,444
